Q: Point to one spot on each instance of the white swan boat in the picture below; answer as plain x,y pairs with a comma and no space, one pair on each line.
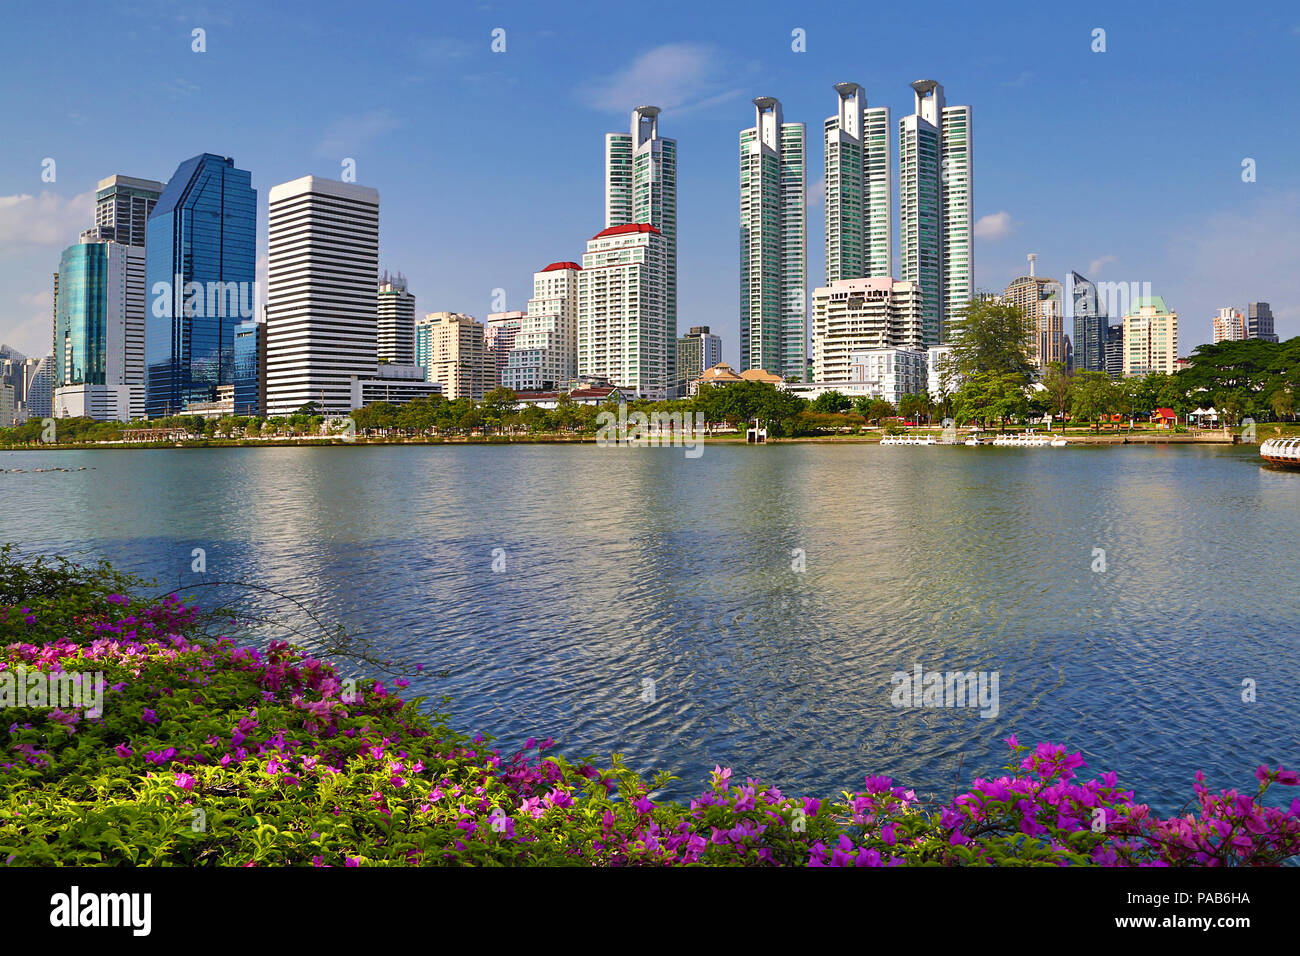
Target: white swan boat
1281,451
1026,440
908,440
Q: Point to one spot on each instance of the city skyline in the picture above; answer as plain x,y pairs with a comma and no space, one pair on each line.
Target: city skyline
1218,240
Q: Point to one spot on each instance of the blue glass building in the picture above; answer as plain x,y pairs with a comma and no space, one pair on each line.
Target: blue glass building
250,365
81,321
1091,324
200,250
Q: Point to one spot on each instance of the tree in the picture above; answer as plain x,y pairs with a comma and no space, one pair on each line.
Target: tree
912,407
988,397
1058,384
1093,395
497,404
877,410
831,401
1283,403
470,419
991,338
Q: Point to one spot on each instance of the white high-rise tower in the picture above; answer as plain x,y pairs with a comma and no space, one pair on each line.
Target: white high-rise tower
935,207
322,269
396,326
773,243
641,188
859,190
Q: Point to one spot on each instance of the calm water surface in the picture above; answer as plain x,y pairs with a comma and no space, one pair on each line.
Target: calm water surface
627,565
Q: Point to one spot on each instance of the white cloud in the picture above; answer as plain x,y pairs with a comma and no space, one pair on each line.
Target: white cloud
44,220
675,76
351,134
817,193
1096,265
28,326
994,226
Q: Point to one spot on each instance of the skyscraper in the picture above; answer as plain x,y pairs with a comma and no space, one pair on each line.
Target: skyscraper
449,346
697,350
1259,322
1150,337
622,298
500,330
200,266
1229,325
396,325
641,188
1091,323
322,269
545,352
99,333
861,315
1040,300
773,243
38,387
123,205
936,206
859,189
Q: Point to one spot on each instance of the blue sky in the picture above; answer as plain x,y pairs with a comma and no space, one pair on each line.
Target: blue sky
1124,165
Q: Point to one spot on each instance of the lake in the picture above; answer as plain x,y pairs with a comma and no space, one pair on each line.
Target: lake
749,607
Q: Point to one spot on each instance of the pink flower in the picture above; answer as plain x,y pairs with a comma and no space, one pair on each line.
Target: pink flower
558,798
185,781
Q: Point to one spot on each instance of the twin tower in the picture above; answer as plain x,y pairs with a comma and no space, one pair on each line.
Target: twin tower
936,229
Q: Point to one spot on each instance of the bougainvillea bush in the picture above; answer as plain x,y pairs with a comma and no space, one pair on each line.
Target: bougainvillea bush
209,753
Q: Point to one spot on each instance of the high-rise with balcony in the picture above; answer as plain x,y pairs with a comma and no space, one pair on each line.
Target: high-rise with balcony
773,243
545,352
1229,325
321,275
641,189
862,315
622,299
1040,300
936,206
1150,337
449,346
200,266
500,330
396,321
859,189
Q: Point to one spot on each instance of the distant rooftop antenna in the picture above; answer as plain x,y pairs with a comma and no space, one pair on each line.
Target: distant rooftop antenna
1033,258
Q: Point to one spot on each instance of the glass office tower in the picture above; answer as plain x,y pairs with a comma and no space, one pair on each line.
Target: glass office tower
250,365
200,261
81,325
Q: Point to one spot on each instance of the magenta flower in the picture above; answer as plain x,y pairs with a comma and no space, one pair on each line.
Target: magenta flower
185,781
